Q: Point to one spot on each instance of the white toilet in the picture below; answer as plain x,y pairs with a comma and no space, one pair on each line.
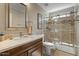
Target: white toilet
48,46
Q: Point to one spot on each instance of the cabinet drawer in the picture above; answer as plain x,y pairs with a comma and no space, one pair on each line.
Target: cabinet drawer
32,44
13,51
35,49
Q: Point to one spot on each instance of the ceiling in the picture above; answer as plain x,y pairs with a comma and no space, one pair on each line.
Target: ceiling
52,7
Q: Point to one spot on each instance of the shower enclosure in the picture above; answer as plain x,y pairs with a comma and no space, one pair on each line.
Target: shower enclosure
62,31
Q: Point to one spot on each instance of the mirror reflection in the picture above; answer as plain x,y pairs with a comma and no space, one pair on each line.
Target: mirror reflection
17,15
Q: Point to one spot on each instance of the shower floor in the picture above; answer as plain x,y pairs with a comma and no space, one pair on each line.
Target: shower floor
61,53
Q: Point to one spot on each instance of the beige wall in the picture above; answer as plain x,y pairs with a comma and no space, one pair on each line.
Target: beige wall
2,17
32,11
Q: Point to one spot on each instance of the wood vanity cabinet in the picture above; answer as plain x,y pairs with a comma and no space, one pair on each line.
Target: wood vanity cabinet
33,48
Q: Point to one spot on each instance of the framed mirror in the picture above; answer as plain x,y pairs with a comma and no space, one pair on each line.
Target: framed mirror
16,15
39,21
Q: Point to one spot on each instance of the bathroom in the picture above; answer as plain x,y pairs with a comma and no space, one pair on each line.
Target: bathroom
45,29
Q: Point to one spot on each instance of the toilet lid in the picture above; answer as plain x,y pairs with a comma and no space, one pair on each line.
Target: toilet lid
48,43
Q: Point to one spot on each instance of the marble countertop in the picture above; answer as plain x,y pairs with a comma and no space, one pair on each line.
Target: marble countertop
18,41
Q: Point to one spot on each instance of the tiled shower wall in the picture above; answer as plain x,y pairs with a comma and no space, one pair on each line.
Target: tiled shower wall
61,31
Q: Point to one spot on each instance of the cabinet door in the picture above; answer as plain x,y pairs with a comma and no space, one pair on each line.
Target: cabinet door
36,51
24,54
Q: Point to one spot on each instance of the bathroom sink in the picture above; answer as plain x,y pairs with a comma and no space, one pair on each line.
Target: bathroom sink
23,37
29,36
16,38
